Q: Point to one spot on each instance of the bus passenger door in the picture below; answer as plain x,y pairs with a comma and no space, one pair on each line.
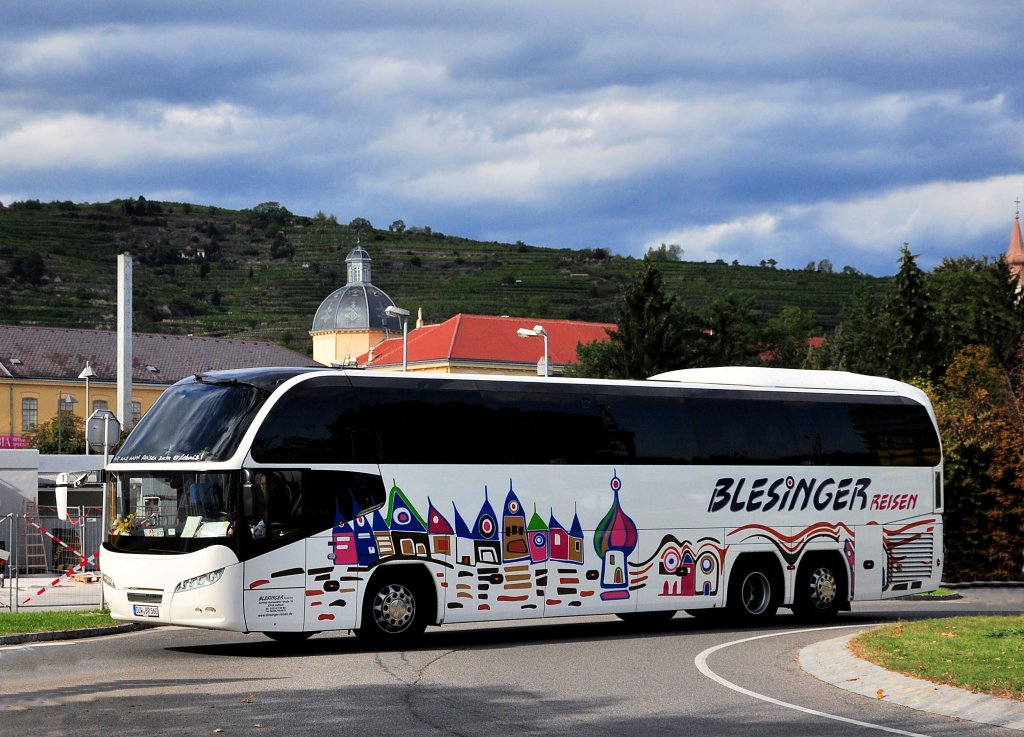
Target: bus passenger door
272,546
274,594
340,509
866,563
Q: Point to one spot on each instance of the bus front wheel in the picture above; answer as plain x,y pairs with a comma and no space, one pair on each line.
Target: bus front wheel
753,599
393,611
819,591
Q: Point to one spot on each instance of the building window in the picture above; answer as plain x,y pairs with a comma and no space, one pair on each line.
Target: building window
29,414
99,404
136,412
66,405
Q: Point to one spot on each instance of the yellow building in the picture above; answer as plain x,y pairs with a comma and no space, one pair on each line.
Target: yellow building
40,367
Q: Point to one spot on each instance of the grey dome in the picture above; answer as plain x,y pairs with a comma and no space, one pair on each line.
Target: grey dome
358,305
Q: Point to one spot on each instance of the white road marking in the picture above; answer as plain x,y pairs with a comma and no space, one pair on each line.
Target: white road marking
701,661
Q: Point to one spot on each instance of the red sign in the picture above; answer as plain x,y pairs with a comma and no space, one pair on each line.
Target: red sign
12,442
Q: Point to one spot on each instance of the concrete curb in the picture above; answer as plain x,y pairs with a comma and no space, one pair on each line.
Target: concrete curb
116,629
832,661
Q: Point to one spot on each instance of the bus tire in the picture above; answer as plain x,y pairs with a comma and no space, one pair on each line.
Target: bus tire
753,594
820,589
394,609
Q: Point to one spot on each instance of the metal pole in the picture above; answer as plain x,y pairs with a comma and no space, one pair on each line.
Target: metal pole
7,566
103,511
14,555
405,344
87,409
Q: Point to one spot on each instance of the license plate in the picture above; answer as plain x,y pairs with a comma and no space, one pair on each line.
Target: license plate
143,610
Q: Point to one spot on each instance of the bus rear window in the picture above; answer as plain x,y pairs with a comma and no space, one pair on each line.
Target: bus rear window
194,421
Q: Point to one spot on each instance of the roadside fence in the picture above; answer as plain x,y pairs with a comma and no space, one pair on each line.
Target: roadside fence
49,563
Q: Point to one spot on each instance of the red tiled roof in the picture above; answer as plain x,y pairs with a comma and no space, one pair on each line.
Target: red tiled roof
59,353
482,338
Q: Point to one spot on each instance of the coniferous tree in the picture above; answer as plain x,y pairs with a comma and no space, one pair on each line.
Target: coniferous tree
913,341
655,334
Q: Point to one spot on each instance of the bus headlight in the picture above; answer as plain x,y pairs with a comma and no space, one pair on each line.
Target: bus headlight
108,580
197,582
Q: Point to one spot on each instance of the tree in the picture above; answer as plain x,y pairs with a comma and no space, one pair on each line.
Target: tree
64,432
982,434
654,334
787,335
664,252
913,345
360,224
270,214
976,302
281,248
397,227
30,269
733,333
862,345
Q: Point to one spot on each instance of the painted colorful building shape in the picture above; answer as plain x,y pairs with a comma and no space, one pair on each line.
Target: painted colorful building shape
440,531
487,546
408,530
565,546
614,539
537,532
514,542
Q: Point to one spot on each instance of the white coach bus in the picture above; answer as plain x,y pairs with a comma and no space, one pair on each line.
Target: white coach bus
295,501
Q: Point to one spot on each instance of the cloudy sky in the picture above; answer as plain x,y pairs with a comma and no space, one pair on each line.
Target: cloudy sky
797,130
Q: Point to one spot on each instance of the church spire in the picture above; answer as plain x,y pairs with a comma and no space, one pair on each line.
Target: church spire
1015,253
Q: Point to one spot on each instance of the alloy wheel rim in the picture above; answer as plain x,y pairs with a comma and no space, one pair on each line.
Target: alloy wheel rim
394,608
823,588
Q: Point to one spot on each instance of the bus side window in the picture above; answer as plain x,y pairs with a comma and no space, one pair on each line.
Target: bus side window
339,496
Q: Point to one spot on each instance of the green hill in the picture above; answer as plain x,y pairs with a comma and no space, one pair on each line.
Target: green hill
265,271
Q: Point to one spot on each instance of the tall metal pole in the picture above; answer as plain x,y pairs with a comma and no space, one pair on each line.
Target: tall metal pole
104,531
124,339
405,343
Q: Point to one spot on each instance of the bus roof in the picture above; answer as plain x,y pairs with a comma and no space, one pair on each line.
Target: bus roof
782,378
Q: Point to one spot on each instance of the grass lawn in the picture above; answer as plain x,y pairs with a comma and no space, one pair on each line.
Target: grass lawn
12,623
983,654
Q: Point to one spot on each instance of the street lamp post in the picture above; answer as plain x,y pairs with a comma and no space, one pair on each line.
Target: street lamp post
61,398
393,311
537,330
87,373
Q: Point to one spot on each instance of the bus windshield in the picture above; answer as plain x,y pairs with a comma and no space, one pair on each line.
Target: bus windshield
194,421
174,511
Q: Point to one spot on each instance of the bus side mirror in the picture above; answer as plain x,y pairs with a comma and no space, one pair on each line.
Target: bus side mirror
248,494
62,496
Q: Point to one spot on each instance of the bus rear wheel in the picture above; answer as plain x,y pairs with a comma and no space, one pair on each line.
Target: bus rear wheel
753,598
393,611
819,591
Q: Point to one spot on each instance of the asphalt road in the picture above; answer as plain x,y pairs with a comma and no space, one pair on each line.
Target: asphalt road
583,676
